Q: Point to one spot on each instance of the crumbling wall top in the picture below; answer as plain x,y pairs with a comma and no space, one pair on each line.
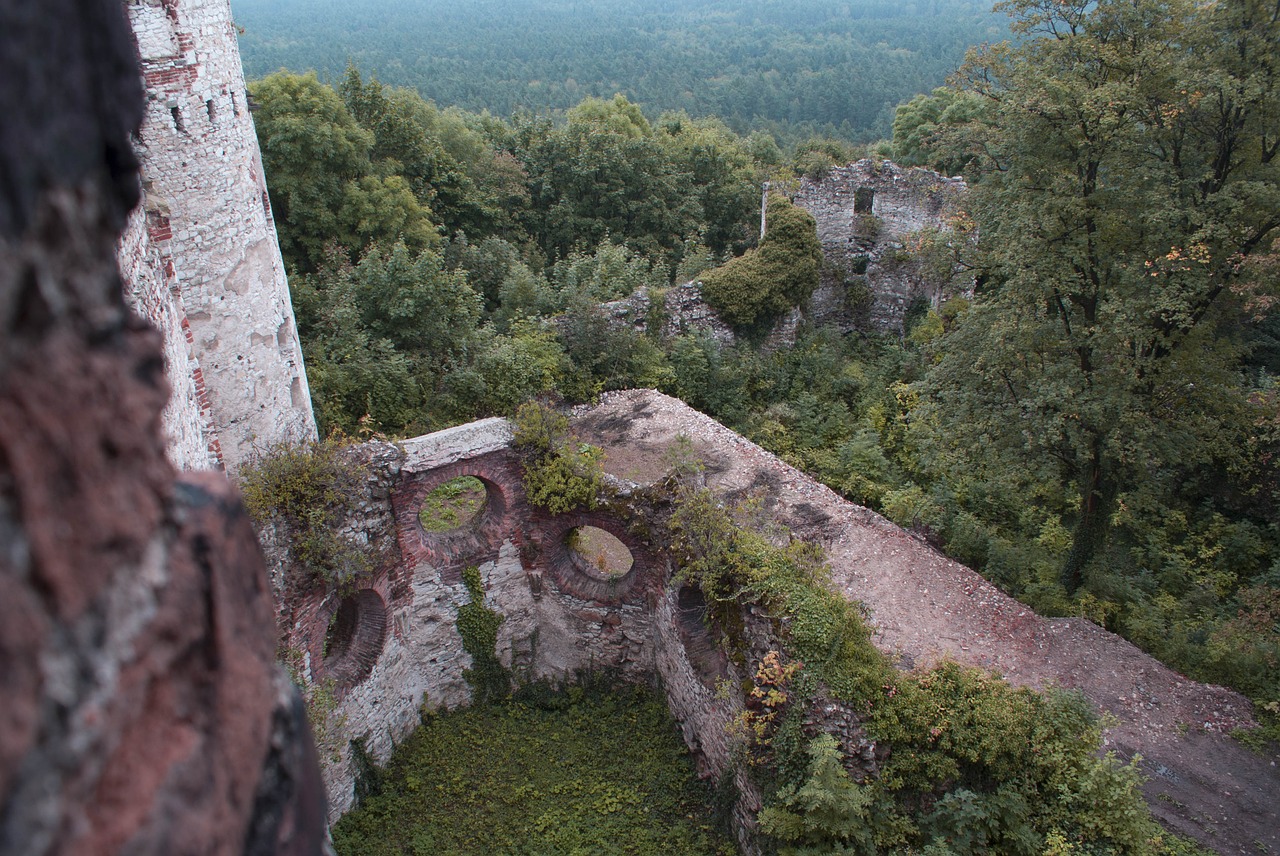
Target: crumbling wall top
456,444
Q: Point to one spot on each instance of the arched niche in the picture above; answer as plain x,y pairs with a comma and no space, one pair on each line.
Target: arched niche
580,575
354,639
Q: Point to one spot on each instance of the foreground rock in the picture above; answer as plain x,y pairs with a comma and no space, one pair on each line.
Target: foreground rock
141,710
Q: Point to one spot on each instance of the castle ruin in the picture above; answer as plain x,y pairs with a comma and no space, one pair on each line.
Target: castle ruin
200,254
200,260
872,216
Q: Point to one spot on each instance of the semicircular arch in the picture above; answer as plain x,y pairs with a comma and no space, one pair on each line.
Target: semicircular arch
567,568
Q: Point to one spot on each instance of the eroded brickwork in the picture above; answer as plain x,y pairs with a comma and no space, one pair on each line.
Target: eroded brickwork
560,617
191,441
212,238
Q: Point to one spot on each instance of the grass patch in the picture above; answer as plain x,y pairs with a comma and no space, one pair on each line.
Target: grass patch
591,769
452,504
606,555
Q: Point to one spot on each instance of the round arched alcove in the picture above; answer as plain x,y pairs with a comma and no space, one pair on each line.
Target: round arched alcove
461,515
458,503
353,643
693,624
599,554
594,557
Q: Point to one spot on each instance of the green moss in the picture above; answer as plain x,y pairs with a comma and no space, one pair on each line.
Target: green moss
578,771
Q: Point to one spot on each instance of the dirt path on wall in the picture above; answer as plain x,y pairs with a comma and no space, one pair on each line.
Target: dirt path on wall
925,607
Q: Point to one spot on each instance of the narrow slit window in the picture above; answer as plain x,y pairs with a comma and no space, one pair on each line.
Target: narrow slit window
235,105
213,111
864,200
176,112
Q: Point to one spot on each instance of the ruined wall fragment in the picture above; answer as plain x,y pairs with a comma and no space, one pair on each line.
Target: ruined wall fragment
867,214
209,219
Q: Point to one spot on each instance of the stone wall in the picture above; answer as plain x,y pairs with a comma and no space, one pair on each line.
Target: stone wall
191,440
866,214
559,617
209,223
685,312
925,609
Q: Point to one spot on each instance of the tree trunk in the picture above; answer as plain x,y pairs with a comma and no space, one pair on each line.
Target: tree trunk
1094,523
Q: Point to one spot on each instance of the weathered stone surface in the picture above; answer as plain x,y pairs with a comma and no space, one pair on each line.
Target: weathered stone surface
456,444
191,437
866,212
560,617
684,312
208,270
137,676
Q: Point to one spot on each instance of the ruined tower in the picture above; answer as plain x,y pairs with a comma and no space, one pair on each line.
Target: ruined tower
202,260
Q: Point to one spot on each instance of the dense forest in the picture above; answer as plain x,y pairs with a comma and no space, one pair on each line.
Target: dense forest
795,68
1097,430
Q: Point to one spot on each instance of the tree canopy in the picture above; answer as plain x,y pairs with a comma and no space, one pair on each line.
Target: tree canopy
1130,173
1095,428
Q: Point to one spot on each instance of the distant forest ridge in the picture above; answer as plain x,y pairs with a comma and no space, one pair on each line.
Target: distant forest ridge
795,68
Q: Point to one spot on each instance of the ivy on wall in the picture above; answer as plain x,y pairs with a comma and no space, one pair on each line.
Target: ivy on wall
755,289
478,626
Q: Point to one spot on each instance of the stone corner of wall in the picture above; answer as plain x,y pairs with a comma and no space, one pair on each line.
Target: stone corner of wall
451,445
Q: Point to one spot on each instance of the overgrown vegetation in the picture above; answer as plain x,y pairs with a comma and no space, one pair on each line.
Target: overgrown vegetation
309,489
1095,430
560,473
973,765
594,768
1097,433
754,290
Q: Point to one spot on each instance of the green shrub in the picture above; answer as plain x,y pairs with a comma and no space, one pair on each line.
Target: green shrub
972,764
827,812
560,474
310,488
755,289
